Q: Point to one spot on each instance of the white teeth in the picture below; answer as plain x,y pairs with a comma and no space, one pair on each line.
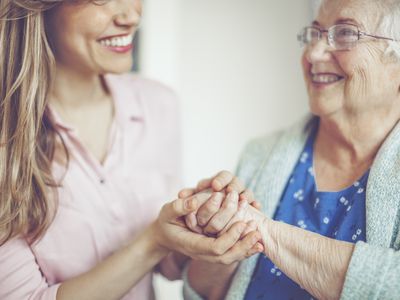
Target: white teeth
325,78
117,41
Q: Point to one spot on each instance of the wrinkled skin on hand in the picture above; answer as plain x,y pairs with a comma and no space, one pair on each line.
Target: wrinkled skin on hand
244,213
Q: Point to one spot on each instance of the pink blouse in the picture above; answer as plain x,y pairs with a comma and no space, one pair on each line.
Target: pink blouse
103,206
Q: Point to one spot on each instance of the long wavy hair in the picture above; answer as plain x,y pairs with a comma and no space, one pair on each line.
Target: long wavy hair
27,137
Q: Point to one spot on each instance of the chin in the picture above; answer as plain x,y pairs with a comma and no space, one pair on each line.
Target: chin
323,106
118,68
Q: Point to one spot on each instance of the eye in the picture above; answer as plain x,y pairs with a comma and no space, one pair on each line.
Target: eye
347,32
344,33
100,2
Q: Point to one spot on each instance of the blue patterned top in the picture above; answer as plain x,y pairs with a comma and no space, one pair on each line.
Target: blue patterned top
338,215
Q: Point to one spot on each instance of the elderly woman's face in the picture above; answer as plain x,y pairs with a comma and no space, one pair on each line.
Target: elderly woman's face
94,36
358,80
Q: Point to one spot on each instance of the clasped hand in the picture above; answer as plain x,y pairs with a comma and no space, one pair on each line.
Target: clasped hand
217,221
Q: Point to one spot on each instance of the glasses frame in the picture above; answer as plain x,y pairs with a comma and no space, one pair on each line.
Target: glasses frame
331,40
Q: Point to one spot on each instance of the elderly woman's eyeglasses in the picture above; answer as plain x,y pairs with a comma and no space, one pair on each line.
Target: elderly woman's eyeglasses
340,37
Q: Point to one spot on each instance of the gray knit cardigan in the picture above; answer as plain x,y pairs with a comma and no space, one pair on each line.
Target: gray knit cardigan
374,271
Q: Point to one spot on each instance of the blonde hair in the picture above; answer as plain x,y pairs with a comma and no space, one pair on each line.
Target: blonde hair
27,136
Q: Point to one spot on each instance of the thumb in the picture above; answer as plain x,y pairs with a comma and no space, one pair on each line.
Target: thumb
180,207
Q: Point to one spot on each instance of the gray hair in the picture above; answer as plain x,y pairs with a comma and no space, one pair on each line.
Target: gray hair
389,22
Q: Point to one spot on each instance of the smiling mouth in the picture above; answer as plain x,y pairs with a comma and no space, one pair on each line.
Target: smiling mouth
325,78
117,41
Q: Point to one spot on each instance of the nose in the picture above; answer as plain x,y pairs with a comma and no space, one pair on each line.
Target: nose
129,13
319,51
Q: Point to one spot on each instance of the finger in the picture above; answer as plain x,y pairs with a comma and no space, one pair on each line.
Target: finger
204,184
185,193
242,249
201,197
228,240
224,215
257,248
178,208
221,180
251,226
191,223
236,185
243,204
256,205
190,218
247,195
240,215
197,246
210,208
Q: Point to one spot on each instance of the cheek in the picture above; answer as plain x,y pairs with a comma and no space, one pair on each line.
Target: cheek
359,72
306,66
75,26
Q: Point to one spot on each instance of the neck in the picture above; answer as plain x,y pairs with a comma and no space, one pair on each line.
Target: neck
355,139
72,89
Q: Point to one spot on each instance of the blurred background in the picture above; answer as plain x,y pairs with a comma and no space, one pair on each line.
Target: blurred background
235,65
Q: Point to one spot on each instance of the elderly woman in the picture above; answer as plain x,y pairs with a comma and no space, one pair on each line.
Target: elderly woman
330,185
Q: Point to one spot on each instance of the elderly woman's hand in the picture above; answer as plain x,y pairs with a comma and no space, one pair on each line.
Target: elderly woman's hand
171,233
214,219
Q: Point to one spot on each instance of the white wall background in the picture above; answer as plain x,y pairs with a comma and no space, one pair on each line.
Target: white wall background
235,64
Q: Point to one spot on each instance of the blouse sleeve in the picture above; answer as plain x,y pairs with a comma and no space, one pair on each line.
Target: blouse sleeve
20,275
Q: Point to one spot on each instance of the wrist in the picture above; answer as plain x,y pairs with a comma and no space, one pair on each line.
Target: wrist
210,280
266,227
153,241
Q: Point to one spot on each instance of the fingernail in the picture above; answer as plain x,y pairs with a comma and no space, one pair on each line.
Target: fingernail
233,195
216,184
242,204
189,204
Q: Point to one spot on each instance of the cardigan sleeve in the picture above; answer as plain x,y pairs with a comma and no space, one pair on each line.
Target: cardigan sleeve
20,275
373,273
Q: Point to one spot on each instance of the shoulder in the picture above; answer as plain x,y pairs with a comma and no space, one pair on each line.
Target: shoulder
131,86
254,154
258,147
143,97
260,150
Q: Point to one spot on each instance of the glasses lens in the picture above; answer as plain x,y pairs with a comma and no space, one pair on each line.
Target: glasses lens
308,35
343,36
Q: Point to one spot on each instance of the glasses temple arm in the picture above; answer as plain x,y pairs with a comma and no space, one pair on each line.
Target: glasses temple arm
377,36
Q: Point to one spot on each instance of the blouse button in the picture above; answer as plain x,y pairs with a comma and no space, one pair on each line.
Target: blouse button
135,119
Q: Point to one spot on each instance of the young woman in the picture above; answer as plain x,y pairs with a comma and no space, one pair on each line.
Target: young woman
87,159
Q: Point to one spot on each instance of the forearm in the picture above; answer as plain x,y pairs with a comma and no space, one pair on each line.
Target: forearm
117,274
211,281
315,262
172,265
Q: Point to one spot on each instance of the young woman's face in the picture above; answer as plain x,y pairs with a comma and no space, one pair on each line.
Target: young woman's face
94,36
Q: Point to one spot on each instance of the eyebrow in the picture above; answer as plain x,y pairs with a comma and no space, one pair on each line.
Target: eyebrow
338,21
